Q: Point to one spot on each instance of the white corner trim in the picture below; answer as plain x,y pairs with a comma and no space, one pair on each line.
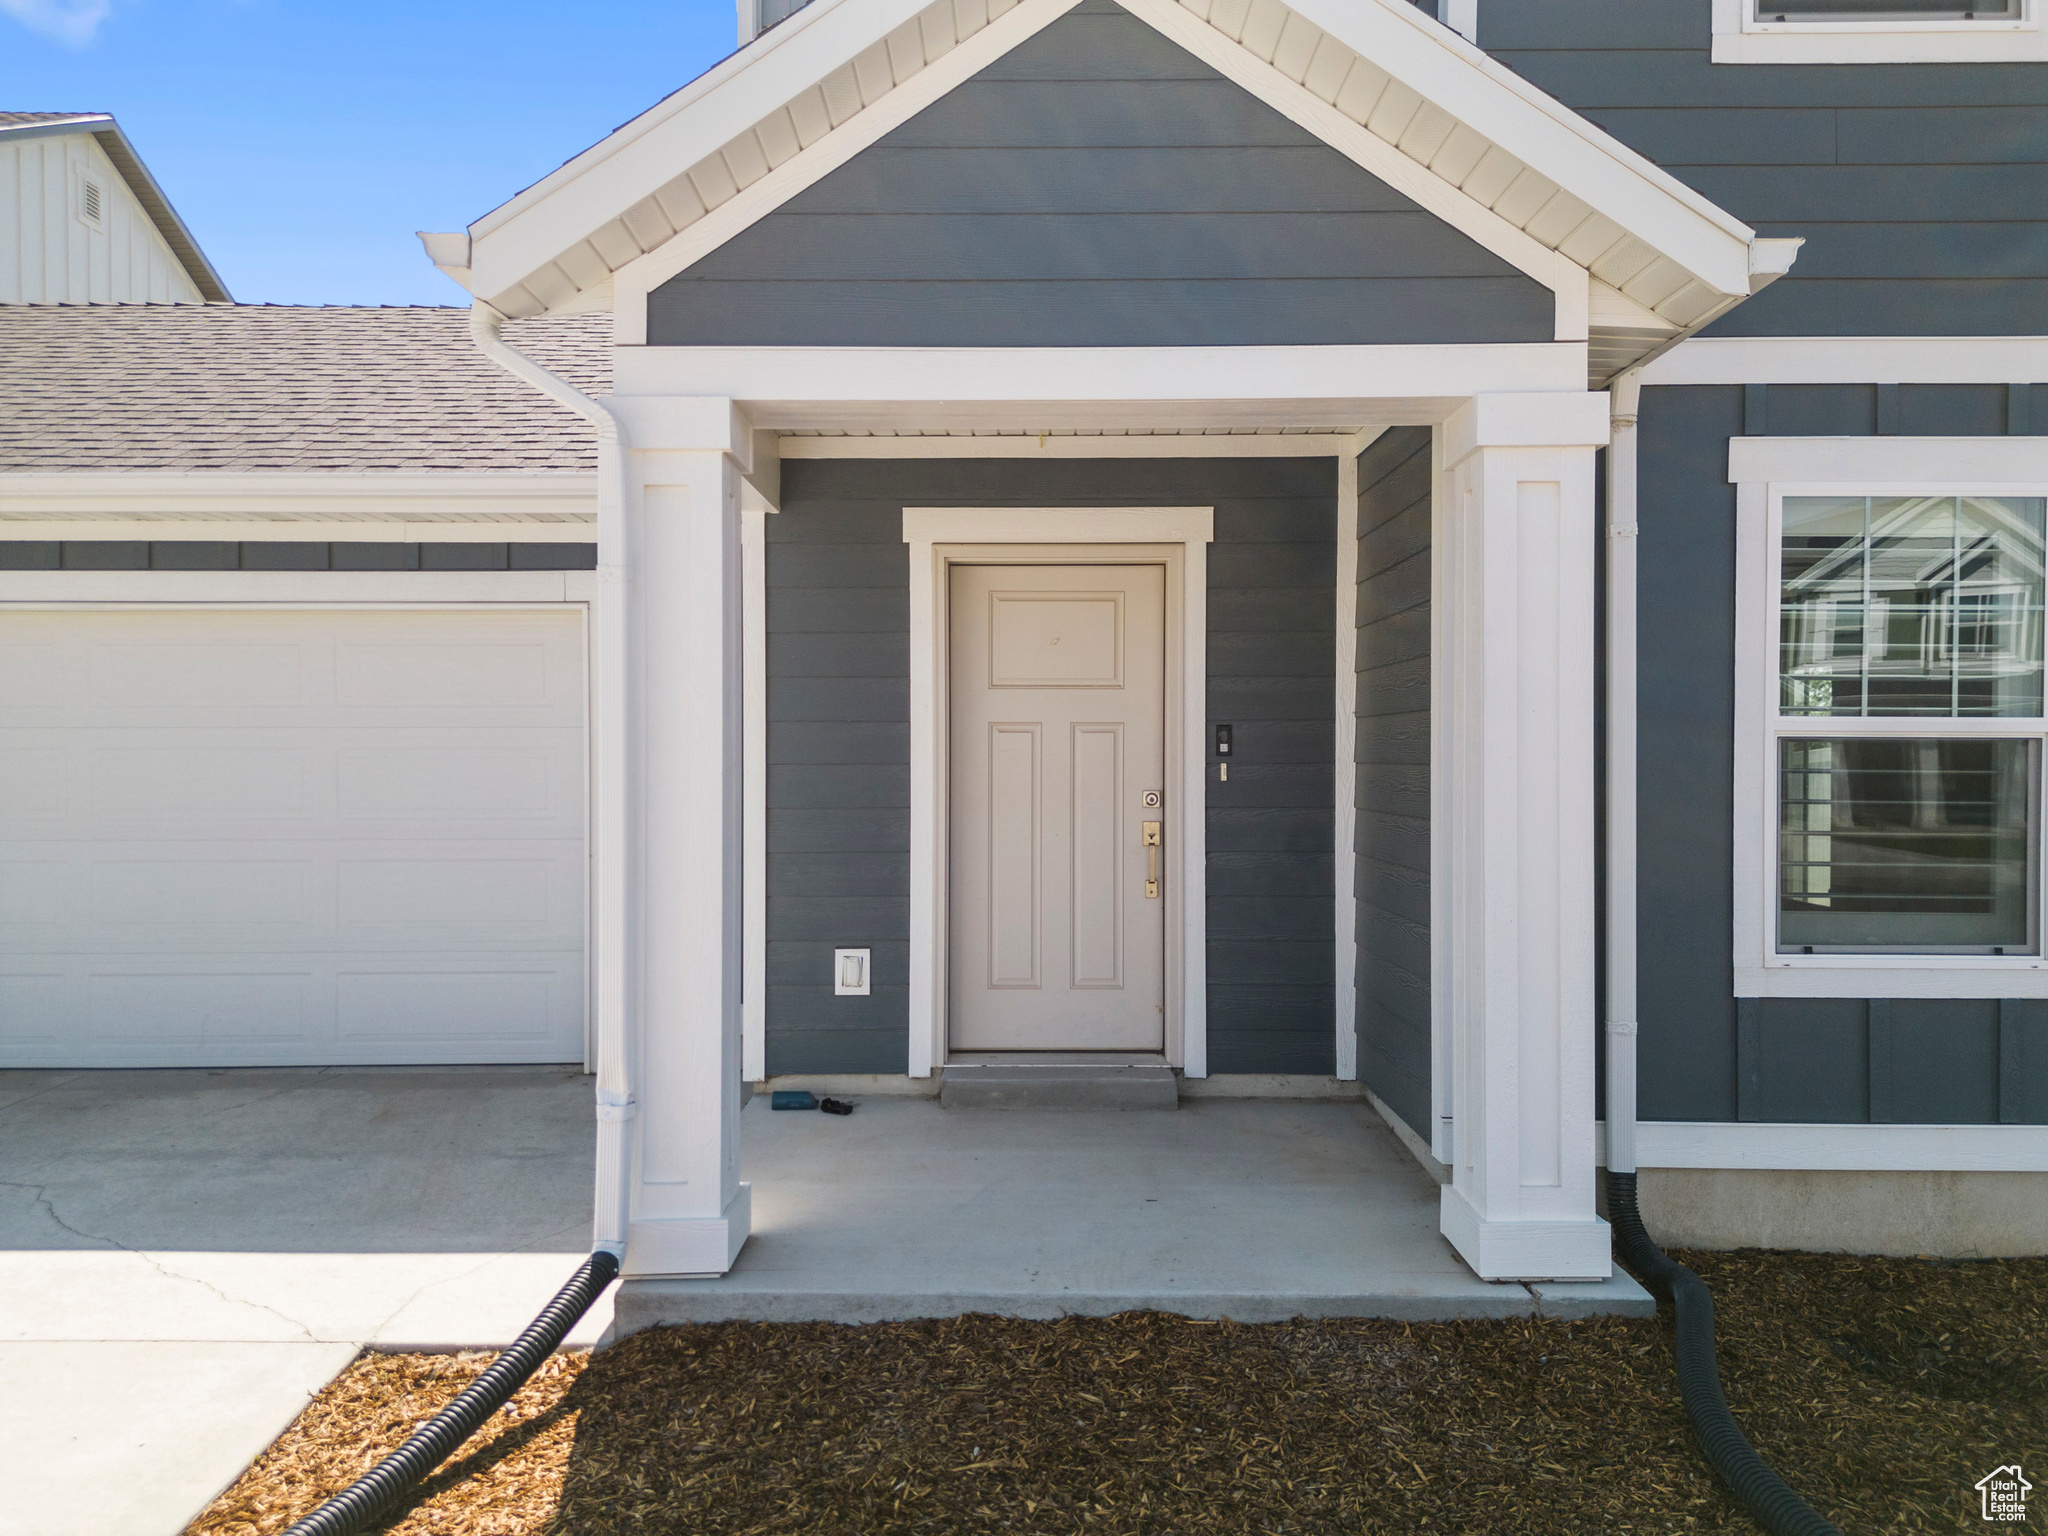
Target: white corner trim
754,795
1741,38
1765,471
1344,857
1851,360
1565,278
1891,1148
633,282
939,535
1992,466
564,496
1222,445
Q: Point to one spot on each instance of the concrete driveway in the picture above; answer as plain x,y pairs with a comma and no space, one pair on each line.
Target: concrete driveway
187,1256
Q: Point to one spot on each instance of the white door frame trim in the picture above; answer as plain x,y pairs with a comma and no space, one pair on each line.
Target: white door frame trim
1179,536
1344,821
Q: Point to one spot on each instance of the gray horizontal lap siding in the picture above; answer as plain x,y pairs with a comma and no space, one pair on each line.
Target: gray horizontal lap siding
839,742
1704,1054
1391,851
288,555
1098,186
1920,189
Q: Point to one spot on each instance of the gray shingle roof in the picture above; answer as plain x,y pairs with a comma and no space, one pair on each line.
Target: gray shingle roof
216,387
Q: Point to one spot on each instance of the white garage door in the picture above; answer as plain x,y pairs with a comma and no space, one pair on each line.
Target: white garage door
291,838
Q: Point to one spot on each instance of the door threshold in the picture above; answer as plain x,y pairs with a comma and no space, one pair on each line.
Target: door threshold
1056,1059
1061,1082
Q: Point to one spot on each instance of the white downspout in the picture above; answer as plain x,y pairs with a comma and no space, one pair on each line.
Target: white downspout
1623,396
609,783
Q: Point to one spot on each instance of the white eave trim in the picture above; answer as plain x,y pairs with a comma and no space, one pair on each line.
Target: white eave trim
1889,1148
1568,199
517,239
1461,79
481,497
1852,360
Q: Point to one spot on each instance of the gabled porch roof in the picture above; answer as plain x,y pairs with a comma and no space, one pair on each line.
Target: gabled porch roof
1634,256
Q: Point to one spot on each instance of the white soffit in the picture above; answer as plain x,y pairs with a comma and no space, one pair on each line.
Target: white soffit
1661,257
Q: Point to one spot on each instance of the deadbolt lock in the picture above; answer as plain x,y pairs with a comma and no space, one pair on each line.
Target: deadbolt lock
1151,799
1152,860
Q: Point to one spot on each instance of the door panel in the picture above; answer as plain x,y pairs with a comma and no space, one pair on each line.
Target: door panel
1057,710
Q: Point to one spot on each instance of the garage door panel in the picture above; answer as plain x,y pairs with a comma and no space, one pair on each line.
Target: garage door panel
33,1015
199,893
443,893
452,1008
162,674
174,783
245,838
195,1010
475,782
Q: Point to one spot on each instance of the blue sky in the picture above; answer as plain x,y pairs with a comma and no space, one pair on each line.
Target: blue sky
305,140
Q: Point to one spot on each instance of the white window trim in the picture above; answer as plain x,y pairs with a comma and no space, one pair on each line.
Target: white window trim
1763,472
1739,38
1179,537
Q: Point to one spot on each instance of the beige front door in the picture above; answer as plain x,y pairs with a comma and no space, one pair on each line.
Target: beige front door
1057,710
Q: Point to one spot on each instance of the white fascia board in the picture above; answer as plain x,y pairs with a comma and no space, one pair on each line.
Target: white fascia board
1852,360
297,531
1593,166
1233,445
1559,273
1889,1148
562,496
1897,465
759,376
676,133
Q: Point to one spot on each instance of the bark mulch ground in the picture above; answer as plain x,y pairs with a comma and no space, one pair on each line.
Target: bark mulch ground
1881,1388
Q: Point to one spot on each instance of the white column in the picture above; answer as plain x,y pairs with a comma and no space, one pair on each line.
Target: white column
689,1208
1519,552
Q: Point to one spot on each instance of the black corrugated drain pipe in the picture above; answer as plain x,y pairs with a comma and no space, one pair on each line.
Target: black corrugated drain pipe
1763,1493
373,1494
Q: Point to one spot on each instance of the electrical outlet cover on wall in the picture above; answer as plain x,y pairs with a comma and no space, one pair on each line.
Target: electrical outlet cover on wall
849,973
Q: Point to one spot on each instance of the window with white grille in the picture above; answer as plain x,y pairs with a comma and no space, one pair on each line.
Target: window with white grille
1891,723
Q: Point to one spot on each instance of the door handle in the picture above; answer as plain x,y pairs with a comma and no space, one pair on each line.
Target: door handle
1152,860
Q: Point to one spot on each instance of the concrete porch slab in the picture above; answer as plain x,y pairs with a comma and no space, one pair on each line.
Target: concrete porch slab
1258,1210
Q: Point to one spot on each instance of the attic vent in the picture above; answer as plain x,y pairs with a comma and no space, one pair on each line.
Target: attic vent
92,202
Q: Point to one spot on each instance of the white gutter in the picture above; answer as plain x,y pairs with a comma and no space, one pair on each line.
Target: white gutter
615,1106
1623,396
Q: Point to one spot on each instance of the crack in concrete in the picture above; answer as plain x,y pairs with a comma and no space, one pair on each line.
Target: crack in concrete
39,1194
485,1263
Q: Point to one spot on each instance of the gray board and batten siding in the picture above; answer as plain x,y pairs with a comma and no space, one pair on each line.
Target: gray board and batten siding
1391,751
1705,1054
839,742
1098,186
1921,189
